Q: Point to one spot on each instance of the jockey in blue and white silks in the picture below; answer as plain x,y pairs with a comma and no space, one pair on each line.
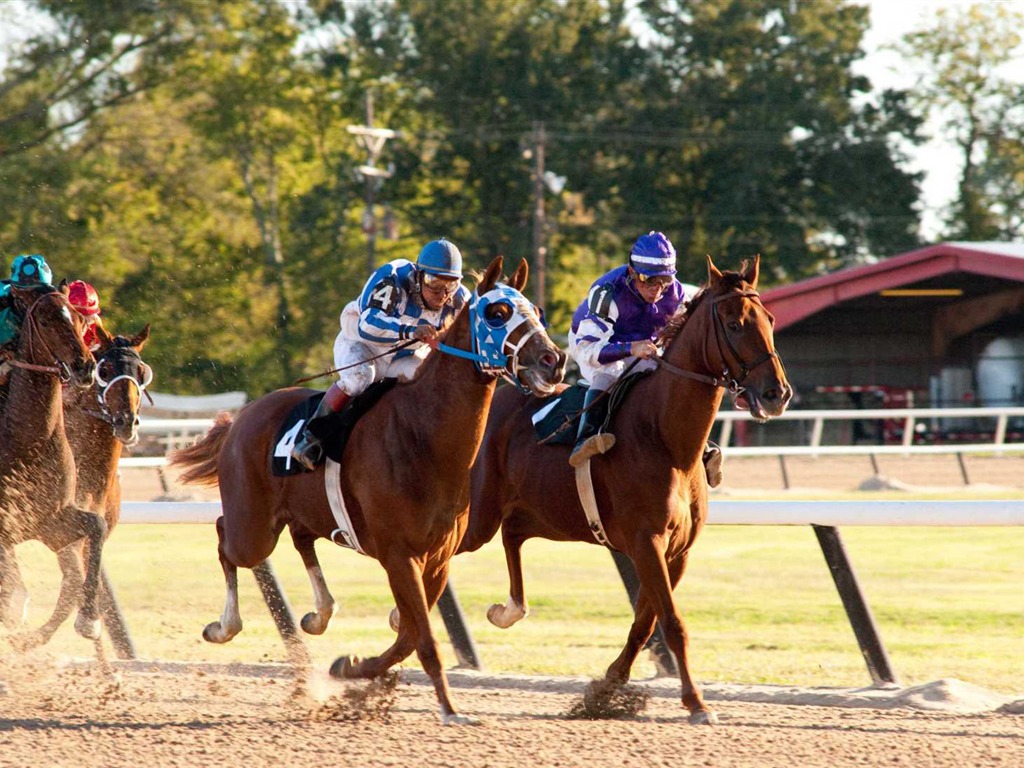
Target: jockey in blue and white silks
400,302
616,326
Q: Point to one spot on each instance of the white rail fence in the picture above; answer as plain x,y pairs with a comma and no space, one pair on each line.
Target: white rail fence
721,512
180,432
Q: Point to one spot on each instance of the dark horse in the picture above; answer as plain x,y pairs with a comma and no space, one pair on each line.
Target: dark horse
651,490
99,421
37,467
404,478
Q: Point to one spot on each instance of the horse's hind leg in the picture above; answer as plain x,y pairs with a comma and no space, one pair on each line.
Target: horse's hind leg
657,580
70,563
230,623
314,622
505,616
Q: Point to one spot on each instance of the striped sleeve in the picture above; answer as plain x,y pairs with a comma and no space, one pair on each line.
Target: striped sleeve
593,336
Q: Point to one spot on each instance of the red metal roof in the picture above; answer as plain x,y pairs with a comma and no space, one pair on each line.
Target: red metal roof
792,303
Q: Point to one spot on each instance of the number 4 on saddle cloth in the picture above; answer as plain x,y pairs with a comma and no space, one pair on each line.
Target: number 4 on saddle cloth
333,429
557,422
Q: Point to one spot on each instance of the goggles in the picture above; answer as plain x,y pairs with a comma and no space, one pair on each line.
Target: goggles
447,285
654,281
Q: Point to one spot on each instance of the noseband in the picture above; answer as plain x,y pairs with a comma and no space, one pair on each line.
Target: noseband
127,355
731,383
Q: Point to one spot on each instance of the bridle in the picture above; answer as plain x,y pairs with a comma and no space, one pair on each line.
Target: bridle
141,377
496,347
32,331
734,384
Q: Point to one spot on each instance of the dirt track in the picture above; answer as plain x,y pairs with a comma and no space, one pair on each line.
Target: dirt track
76,717
191,716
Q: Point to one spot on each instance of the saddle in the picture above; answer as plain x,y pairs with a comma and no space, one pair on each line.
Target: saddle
333,429
558,421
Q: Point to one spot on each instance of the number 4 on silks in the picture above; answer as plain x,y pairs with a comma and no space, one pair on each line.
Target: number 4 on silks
283,449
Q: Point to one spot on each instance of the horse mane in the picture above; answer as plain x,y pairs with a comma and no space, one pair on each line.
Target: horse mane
730,280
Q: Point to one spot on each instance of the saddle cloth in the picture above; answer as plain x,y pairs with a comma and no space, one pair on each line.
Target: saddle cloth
333,430
557,422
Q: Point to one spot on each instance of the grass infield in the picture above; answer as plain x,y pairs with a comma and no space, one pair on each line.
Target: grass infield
759,603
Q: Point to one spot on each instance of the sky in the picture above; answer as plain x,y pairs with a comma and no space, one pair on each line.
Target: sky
890,20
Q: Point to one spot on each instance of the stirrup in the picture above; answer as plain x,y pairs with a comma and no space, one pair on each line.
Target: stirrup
602,442
713,466
308,452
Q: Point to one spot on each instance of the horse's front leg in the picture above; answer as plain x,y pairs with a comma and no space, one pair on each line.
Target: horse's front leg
658,581
639,633
314,622
230,623
13,595
70,562
72,525
505,616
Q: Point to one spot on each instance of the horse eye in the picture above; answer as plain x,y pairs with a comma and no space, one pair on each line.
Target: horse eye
498,314
733,325
105,370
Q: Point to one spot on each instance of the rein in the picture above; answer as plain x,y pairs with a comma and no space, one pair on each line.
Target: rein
731,383
32,331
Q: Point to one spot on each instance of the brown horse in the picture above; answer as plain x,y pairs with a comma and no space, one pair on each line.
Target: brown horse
37,467
404,478
98,422
651,490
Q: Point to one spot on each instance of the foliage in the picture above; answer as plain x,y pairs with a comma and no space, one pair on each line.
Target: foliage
961,58
197,165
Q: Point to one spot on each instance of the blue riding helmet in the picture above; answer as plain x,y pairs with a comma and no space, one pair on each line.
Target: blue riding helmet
653,254
442,258
30,270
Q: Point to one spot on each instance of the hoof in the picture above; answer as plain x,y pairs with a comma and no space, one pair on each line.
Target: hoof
456,719
343,668
312,624
394,620
87,627
503,616
703,717
215,633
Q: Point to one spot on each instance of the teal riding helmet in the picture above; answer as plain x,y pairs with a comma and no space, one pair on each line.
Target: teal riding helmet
442,258
30,270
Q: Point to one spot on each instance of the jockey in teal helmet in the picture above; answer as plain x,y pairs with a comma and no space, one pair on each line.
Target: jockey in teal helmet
401,302
27,271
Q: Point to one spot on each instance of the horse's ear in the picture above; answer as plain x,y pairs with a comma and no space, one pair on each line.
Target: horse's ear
104,337
62,286
714,275
518,279
752,271
491,276
140,339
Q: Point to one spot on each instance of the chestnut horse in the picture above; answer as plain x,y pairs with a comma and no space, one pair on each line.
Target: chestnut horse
37,467
99,421
651,490
404,475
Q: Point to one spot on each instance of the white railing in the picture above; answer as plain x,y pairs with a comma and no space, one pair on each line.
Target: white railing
179,432
832,513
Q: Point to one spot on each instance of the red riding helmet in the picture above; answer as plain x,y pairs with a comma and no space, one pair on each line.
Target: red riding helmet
84,298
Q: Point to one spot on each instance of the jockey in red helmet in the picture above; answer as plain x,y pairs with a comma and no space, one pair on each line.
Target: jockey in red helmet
83,297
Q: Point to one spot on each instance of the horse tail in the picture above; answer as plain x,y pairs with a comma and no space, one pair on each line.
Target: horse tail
200,459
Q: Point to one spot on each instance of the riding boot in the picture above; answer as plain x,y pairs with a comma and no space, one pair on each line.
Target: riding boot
590,441
713,464
308,449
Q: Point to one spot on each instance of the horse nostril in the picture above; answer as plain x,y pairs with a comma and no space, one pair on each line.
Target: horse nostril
549,360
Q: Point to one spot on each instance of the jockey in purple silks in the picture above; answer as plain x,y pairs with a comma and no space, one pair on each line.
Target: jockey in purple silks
616,326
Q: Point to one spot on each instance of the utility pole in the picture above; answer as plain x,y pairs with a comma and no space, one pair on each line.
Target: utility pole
372,140
540,251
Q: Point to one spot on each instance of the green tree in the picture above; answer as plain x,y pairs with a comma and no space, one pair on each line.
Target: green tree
960,80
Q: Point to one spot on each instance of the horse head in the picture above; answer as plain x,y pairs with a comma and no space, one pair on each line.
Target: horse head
508,333
51,335
121,378
723,337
